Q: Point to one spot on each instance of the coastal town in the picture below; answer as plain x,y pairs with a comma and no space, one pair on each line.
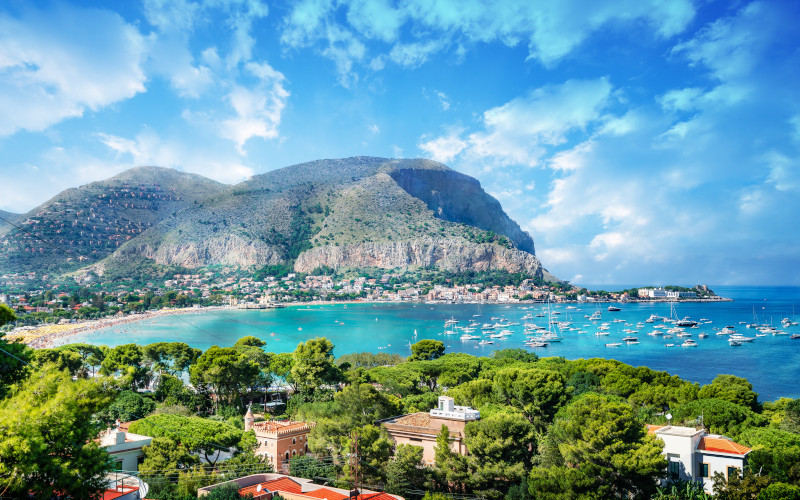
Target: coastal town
67,305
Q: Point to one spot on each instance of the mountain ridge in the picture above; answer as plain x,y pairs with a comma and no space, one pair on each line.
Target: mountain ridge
339,213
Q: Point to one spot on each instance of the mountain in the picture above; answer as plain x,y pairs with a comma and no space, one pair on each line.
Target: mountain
10,218
86,224
359,212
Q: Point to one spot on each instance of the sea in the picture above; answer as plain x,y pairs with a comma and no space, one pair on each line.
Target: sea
771,363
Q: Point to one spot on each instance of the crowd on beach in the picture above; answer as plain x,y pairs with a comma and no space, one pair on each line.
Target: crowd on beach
45,336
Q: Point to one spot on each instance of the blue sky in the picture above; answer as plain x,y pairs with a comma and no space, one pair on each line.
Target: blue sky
640,141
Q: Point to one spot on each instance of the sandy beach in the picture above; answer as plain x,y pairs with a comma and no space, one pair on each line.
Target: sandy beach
43,337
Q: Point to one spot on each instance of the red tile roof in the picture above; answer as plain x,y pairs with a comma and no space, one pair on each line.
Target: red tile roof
280,484
722,445
325,493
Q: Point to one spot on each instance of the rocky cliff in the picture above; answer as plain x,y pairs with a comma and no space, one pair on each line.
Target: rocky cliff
448,254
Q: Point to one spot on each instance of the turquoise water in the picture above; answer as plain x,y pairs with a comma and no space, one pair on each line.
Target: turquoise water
771,363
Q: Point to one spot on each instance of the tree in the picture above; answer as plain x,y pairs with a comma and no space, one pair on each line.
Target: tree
171,357
47,427
127,406
362,404
226,371
538,393
451,469
774,452
500,451
127,361
731,388
374,451
719,416
309,467
739,487
14,355
405,471
91,355
606,453
426,349
780,491
60,359
313,365
199,435
165,454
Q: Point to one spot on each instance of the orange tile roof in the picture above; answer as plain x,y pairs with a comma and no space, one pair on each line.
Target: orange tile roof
280,484
651,429
722,445
376,496
325,493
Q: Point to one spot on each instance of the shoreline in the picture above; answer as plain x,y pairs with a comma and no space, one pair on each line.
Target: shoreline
44,337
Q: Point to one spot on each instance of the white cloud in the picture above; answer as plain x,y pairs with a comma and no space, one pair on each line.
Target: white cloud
444,101
444,148
417,29
57,64
413,55
149,148
258,110
784,172
521,131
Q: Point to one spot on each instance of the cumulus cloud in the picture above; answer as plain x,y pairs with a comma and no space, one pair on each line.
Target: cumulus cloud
57,64
522,130
258,109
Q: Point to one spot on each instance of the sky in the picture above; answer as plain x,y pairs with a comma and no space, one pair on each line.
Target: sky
638,141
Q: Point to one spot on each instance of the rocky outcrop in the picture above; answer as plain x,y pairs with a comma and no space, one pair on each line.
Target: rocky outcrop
449,254
456,197
228,250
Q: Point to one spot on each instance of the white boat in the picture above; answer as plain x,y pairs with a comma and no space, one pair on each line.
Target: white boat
485,342
741,338
468,336
734,343
689,343
614,344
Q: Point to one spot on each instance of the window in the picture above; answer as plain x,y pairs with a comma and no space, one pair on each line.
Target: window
702,469
732,471
287,455
674,468
294,441
294,452
118,465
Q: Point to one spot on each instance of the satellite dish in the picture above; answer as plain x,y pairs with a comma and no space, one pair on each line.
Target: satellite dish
669,416
258,488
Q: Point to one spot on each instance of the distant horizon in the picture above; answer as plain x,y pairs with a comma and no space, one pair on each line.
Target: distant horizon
629,139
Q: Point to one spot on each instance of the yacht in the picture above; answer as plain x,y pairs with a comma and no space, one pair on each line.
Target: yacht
614,308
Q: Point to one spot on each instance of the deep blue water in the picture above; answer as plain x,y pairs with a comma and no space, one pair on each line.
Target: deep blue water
771,363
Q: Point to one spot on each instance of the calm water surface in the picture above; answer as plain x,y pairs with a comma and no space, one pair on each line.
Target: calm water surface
771,363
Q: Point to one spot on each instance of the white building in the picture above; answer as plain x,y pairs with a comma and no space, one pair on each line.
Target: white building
694,455
124,447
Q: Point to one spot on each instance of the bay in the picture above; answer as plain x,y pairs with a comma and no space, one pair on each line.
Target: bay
771,363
